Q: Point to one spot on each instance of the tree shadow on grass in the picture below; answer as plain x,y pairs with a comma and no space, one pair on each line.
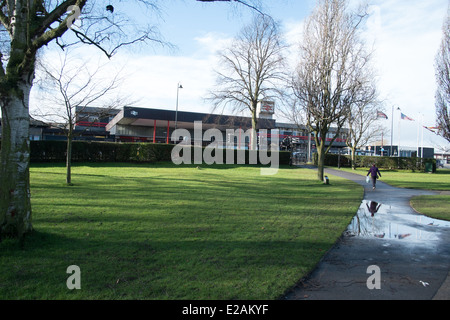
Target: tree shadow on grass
34,240
124,265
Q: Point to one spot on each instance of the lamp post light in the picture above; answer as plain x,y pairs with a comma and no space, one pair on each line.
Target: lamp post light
179,86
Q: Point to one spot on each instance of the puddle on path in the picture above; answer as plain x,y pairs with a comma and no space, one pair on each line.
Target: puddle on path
377,220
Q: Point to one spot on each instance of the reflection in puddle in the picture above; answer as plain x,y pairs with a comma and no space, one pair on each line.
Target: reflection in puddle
376,220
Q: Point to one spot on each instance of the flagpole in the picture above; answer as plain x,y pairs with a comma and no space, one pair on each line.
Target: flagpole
418,135
421,158
392,132
399,122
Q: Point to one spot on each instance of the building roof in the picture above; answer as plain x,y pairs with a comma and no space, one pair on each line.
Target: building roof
148,117
34,123
97,110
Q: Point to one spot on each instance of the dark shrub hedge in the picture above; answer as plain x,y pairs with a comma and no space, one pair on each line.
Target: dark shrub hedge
414,164
84,151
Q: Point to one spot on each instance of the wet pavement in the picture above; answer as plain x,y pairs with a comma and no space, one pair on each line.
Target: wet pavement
386,221
388,252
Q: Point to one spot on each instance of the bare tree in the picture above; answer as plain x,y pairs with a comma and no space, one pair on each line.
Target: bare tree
25,27
364,113
331,75
362,126
442,66
70,86
251,69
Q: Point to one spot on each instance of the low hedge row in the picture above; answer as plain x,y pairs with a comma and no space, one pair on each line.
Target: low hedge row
84,151
415,164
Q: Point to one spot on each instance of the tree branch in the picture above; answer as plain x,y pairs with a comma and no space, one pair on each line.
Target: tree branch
43,37
238,1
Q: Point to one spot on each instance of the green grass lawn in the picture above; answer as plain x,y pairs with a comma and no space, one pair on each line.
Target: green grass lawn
438,206
174,232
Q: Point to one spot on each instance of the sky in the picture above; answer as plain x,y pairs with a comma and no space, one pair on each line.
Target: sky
404,34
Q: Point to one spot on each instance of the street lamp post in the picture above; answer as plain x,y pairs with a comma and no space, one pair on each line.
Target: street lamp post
179,86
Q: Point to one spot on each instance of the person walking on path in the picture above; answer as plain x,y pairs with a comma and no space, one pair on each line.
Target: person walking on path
374,173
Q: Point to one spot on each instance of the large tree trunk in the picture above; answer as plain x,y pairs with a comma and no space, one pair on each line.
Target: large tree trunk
353,149
254,137
15,207
69,158
320,161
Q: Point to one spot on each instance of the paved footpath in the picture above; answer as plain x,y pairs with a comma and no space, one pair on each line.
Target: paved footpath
411,252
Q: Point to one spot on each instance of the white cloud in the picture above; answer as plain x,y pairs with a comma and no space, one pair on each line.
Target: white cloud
154,80
211,43
406,36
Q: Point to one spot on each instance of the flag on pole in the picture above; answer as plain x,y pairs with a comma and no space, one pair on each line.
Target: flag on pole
381,115
405,117
431,129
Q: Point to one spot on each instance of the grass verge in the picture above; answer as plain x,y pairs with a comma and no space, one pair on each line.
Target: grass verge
437,207
174,232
